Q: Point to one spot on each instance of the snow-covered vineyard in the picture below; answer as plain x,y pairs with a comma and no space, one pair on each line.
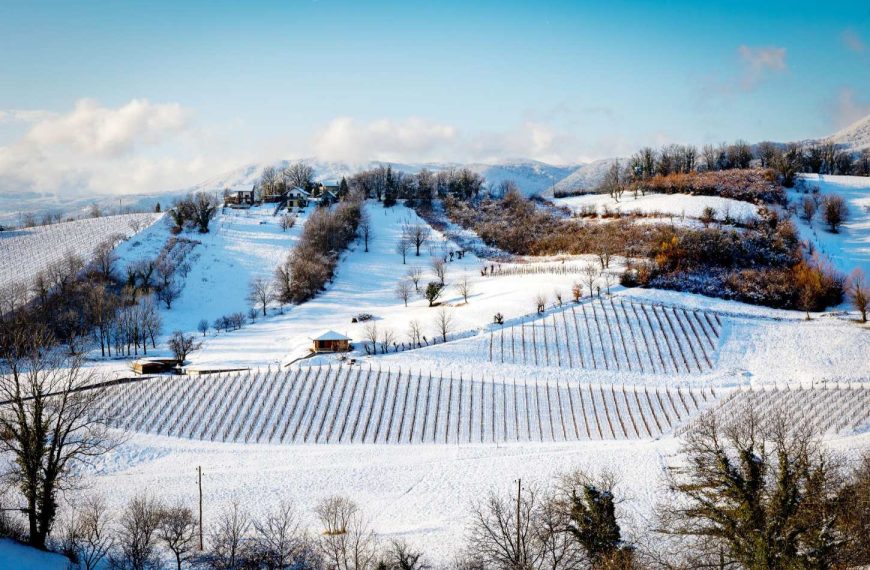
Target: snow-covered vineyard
608,334
363,405
26,252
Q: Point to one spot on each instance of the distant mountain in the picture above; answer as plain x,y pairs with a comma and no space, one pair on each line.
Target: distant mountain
856,136
532,177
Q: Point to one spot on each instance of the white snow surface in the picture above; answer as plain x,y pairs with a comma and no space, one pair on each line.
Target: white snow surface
855,136
674,205
16,556
850,247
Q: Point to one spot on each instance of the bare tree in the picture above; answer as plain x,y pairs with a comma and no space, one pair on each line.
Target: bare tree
415,333
415,273
576,291
372,335
401,556
89,536
464,288
182,345
260,293
857,292
403,290
51,427
137,535
439,268
347,542
388,337
403,246
202,326
298,175
444,323
590,275
280,536
418,234
105,258
366,231
177,529
502,533
229,538
834,211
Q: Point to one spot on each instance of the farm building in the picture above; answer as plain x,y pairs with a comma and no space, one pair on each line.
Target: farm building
297,198
239,198
153,365
331,341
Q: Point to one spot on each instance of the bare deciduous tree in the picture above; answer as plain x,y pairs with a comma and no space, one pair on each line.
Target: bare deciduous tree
415,333
280,537
137,535
182,345
403,246
403,290
228,539
347,542
260,293
177,530
834,211
439,268
286,222
415,273
372,335
464,287
857,291
809,206
418,235
89,536
590,275
444,323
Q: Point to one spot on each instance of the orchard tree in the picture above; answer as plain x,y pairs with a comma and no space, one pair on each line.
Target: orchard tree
403,290
260,293
858,294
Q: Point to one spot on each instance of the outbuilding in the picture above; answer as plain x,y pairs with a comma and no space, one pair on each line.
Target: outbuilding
331,341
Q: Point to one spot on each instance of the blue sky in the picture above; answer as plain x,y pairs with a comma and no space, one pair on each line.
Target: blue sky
170,91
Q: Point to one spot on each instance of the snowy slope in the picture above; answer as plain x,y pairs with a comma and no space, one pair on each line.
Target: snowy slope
850,247
678,205
585,178
15,556
856,136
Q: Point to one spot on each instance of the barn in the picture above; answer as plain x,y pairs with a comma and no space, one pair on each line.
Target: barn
331,341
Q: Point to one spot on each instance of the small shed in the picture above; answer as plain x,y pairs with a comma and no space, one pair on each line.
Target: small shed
331,341
153,365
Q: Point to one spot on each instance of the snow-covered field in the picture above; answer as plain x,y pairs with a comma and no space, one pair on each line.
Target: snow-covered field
415,436
242,244
667,205
26,252
850,247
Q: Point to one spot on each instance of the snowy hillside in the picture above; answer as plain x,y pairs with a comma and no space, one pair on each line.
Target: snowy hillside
856,136
671,205
585,178
24,253
850,247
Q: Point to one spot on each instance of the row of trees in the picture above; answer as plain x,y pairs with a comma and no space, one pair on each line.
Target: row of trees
194,211
787,159
387,185
311,264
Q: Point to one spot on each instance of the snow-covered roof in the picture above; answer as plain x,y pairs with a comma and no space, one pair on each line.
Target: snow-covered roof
298,190
331,335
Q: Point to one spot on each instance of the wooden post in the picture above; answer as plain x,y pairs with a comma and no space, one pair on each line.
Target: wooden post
519,490
199,477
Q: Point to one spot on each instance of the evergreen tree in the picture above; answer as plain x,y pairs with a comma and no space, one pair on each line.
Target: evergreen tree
593,524
343,190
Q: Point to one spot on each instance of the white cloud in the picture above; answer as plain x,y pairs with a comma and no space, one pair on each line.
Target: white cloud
347,139
420,140
94,130
23,115
138,147
759,63
852,40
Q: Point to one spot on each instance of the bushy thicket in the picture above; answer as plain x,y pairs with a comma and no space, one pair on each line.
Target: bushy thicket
752,185
759,263
311,265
